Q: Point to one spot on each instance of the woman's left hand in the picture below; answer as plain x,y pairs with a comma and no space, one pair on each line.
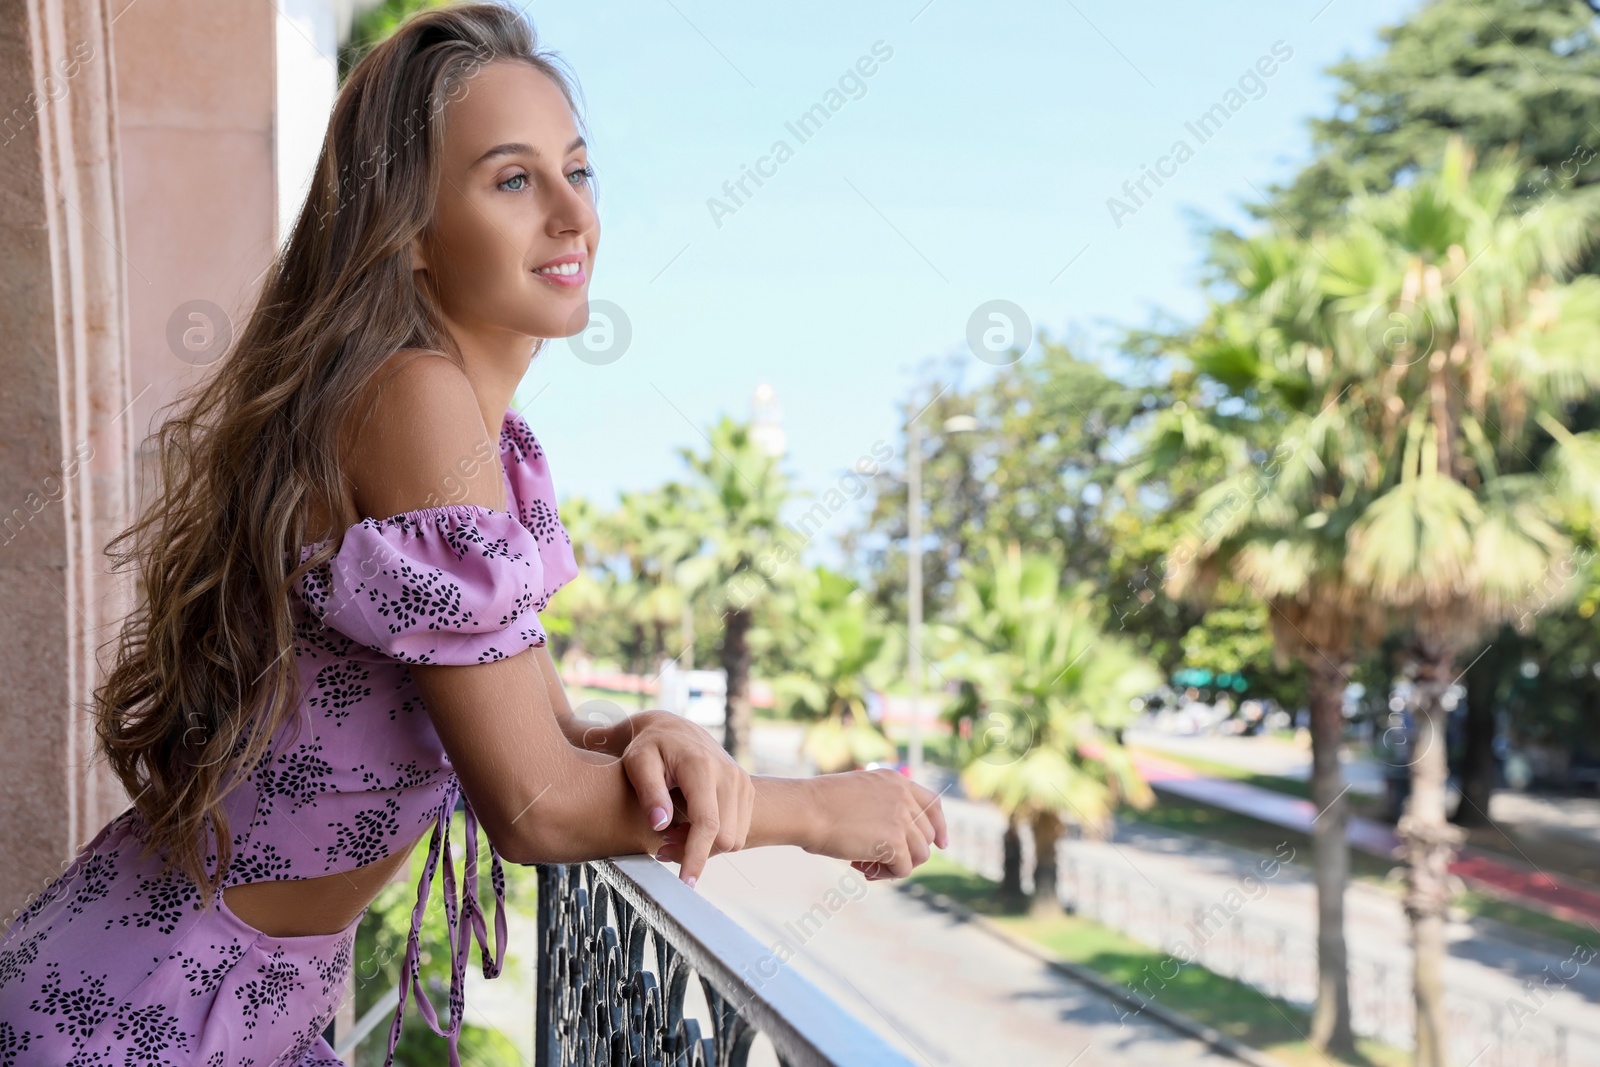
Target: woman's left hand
663,754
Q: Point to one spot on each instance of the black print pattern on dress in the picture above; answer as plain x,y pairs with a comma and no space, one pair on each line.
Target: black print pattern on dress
13,1043
524,448
469,537
304,1038
298,777
47,896
361,841
336,968
269,991
168,896
540,517
14,961
204,979
151,1031
95,882
76,1011
311,636
262,863
406,776
423,595
339,687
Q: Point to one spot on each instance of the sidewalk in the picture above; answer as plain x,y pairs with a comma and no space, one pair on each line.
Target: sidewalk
1524,885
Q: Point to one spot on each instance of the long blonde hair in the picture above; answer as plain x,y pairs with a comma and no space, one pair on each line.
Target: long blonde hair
204,671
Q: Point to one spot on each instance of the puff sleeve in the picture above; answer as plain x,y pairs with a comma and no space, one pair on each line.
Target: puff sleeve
456,584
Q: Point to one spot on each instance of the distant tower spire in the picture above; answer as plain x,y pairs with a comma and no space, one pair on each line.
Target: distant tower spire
766,420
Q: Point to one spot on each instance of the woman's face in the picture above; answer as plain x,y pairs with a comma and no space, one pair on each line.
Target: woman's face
515,194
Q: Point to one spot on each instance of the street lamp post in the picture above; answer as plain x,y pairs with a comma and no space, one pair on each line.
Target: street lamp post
953,424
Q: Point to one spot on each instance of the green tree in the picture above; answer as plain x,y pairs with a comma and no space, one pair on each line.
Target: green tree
745,554
1046,693
840,650
1500,74
1497,73
1278,529
1413,352
374,25
572,617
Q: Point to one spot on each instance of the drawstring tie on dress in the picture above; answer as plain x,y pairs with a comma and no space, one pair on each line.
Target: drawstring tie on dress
461,934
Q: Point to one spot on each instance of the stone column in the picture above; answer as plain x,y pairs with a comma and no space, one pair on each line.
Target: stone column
65,434
164,109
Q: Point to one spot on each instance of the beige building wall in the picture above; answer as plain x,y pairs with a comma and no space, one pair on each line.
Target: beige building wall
137,180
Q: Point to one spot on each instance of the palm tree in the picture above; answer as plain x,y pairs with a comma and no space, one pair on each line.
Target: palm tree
747,553
1278,525
1051,693
1462,537
839,650
583,600
1411,352
665,535
626,536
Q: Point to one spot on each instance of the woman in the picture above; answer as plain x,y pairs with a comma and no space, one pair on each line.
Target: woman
338,635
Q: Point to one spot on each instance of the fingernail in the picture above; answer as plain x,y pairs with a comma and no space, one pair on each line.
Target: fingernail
690,881
658,817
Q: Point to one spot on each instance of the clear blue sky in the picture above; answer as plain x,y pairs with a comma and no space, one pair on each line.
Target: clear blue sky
975,163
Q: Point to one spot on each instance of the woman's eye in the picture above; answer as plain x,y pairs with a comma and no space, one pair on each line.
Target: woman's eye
514,178
586,173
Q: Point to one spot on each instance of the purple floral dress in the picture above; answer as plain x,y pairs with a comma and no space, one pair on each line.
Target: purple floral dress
117,963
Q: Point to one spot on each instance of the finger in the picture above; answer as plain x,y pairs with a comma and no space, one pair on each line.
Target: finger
935,813
648,775
920,849
928,801
747,791
727,808
901,865
700,794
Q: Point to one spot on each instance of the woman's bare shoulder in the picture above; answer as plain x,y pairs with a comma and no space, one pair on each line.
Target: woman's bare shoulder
416,438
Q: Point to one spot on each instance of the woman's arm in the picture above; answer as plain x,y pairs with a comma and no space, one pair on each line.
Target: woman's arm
542,800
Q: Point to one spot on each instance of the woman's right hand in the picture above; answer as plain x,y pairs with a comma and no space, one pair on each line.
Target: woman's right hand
879,820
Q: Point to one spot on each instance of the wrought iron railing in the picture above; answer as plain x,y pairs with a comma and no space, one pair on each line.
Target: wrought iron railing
619,942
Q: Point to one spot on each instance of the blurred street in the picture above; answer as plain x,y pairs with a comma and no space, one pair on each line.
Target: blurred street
947,994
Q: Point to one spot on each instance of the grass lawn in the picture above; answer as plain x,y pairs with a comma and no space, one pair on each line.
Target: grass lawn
1488,907
1231,1007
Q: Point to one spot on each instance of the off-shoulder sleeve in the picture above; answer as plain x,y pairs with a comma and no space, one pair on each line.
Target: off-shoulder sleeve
456,584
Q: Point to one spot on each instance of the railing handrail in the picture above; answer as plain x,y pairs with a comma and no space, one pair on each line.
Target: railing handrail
807,1028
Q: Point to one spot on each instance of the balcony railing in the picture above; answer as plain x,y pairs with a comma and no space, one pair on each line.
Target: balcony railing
619,942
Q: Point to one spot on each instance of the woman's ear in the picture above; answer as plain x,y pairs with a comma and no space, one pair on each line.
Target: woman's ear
417,260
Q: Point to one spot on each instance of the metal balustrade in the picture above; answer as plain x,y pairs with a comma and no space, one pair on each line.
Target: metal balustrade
619,941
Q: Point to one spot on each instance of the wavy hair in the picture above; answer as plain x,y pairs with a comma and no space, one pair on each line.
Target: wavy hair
204,672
